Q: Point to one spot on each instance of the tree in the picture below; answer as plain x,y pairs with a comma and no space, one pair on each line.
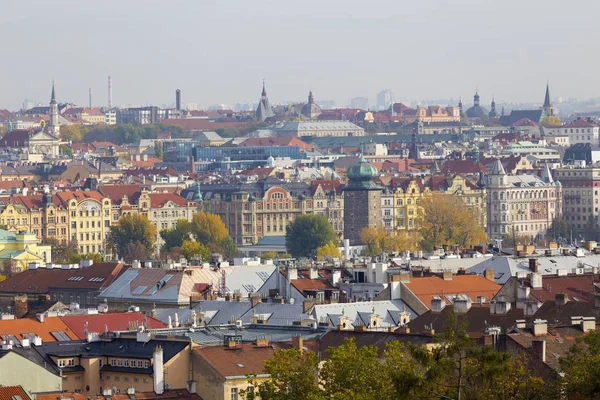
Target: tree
268,255
581,368
560,229
133,236
377,239
551,120
445,221
176,236
73,132
329,250
208,228
158,150
63,252
292,376
66,150
228,247
307,233
191,250
8,267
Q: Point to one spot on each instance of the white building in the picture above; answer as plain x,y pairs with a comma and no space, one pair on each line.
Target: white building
521,204
581,131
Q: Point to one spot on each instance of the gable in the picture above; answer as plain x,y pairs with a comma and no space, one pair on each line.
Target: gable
42,136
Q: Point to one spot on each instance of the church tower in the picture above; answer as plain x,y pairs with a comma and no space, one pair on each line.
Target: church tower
53,123
548,109
264,110
493,113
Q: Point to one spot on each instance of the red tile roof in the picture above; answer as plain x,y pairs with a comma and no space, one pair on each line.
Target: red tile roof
580,123
158,200
525,122
19,327
10,393
575,286
116,192
426,288
328,185
113,321
463,167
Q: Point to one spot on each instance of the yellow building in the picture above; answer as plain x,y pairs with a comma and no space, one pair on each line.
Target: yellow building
408,193
21,249
84,216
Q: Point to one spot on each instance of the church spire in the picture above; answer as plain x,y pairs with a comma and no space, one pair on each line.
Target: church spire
53,97
264,92
311,99
547,102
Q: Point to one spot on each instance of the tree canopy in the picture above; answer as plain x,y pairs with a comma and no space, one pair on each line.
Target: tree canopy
445,221
307,233
190,250
132,237
328,250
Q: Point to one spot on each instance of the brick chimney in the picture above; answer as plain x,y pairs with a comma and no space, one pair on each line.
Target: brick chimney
447,275
533,264
298,343
192,165
262,341
21,306
254,300
489,274
538,350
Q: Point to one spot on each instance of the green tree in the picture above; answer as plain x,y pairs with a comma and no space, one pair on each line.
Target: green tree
191,250
228,247
132,233
292,376
307,233
268,255
63,252
377,239
176,236
158,150
66,150
560,229
581,368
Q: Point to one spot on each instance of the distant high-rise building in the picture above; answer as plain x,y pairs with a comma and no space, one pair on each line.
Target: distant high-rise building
178,99
385,99
110,93
264,110
360,102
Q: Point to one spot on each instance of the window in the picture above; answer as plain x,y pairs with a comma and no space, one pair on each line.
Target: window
146,364
140,363
61,363
71,362
234,394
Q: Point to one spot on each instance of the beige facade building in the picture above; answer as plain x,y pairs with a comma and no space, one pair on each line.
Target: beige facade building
523,205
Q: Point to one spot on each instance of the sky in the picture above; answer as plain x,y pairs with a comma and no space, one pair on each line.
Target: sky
219,51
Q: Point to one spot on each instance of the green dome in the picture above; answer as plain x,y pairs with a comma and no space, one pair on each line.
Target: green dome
362,171
360,176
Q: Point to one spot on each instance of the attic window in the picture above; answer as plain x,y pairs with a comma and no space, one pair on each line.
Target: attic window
559,340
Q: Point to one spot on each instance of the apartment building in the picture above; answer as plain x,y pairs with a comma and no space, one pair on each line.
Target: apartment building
580,194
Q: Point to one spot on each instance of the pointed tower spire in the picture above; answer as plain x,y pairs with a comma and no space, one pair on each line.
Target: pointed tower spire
53,97
311,99
264,92
547,102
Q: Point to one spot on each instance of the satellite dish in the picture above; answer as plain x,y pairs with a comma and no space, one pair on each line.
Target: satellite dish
292,300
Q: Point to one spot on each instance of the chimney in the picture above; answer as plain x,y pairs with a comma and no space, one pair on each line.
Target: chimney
538,350
254,300
292,273
313,273
159,379
447,275
298,343
192,165
437,304
262,341
489,274
588,324
561,299
21,306
531,307
462,305
307,304
334,277
536,280
533,264
540,327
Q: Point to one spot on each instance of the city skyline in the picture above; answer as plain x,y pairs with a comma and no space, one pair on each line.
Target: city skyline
219,53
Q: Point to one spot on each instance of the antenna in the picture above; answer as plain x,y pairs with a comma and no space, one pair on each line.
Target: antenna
90,97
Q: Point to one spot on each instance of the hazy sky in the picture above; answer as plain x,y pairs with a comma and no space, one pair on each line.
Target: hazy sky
218,51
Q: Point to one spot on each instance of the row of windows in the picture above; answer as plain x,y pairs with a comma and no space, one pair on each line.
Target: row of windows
118,362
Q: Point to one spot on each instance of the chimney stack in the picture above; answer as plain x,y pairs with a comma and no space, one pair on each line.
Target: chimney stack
538,350
159,377
533,265
540,327
110,93
561,299
489,274
192,165
298,343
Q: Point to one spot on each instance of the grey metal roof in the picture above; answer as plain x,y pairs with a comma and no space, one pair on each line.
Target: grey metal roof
359,313
320,126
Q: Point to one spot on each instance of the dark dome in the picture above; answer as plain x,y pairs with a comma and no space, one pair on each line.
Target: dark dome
477,112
